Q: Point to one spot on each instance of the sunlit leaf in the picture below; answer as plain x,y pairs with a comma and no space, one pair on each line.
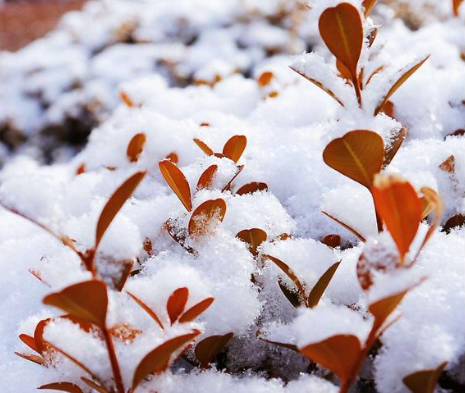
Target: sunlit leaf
136,147
317,291
234,147
252,187
424,381
396,142
197,309
158,360
253,237
115,203
147,309
204,147
399,82
207,349
359,155
399,206
342,31
337,353
62,387
177,182
206,178
206,216
177,303
86,300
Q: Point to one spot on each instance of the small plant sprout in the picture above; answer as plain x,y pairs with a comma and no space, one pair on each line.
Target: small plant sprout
349,38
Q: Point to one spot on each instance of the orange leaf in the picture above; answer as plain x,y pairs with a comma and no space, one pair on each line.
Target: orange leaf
86,300
317,291
332,240
424,381
115,203
205,217
407,74
368,6
32,358
456,6
158,360
342,31
381,309
253,237
135,147
288,271
126,99
197,309
93,385
177,182
177,303
81,169
62,387
206,178
337,353
448,165
359,155
204,147
346,226
393,148
250,188
147,309
173,157
207,349
234,147
265,78
399,206
29,341
39,333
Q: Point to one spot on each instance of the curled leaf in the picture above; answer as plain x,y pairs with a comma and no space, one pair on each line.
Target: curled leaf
234,147
177,182
136,147
206,216
176,303
448,165
207,349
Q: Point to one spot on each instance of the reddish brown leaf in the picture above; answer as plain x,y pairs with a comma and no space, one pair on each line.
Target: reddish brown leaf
448,165
288,271
382,308
399,206
81,169
115,203
337,353
227,186
399,82
32,358
98,388
456,6
125,332
234,147
173,157
86,300
346,226
344,71
453,222
177,303
206,216
147,309
253,237
206,178
207,349
393,148
39,333
359,155
158,360
120,280
368,6
388,109
204,147
372,36
317,291
136,147
265,78
342,31
250,188
126,99
177,182
424,381
197,309
332,240
29,341
62,387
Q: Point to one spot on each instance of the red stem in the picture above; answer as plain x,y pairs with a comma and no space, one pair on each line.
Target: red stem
113,360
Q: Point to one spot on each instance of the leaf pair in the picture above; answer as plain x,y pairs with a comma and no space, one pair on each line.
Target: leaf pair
232,149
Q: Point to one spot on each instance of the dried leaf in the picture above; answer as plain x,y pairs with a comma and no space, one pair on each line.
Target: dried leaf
147,309
288,271
115,203
424,381
204,147
393,148
252,187
207,349
86,300
62,387
136,147
317,291
253,237
342,31
399,206
206,216
177,182
197,309
234,147
206,178
448,165
399,82
359,155
177,303
158,360
125,332
337,353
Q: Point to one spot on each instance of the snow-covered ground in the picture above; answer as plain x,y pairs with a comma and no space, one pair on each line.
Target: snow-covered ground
176,71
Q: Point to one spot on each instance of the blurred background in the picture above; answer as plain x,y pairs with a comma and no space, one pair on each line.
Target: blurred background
22,21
